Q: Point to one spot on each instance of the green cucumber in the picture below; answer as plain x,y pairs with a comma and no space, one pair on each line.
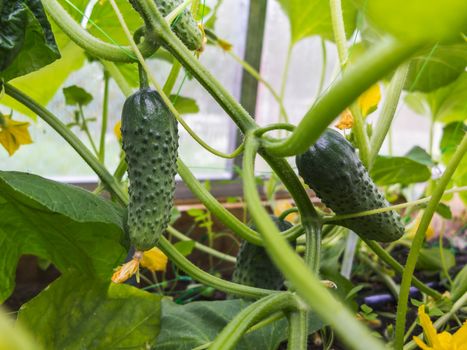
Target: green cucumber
255,268
333,170
150,142
184,26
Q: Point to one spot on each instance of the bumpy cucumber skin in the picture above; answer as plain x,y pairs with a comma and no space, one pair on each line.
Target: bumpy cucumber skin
333,170
150,141
185,27
255,268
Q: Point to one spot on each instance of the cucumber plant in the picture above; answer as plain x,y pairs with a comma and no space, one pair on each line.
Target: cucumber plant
327,162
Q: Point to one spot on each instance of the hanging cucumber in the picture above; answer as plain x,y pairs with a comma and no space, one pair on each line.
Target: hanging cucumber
150,142
184,26
255,268
333,170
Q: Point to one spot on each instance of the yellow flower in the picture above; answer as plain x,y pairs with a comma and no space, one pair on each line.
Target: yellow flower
346,120
281,206
13,134
118,131
125,271
441,341
413,227
154,260
368,101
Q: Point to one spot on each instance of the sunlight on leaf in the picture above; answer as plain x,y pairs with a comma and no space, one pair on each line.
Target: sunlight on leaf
13,134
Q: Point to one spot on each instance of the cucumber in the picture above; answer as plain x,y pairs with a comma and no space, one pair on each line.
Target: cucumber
255,268
150,141
184,26
333,170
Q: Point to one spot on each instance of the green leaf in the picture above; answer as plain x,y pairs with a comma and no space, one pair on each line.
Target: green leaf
184,105
75,96
185,247
459,285
27,42
403,170
313,17
203,12
64,224
185,327
444,210
104,23
130,72
452,137
77,312
418,19
42,85
436,67
419,155
430,259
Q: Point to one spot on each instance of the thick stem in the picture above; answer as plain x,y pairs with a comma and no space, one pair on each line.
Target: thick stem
71,138
235,329
358,78
298,331
418,242
105,114
307,285
388,111
338,28
208,279
90,43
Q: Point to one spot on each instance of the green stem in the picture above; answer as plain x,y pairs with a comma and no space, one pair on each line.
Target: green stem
172,78
285,74
358,78
432,134
385,278
388,259
336,218
201,247
305,282
86,130
235,329
323,68
105,114
298,331
418,241
177,11
388,111
90,43
226,217
71,138
338,28
196,273
361,136
116,75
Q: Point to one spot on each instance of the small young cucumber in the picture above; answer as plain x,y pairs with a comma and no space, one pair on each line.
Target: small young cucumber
184,26
333,170
255,268
150,142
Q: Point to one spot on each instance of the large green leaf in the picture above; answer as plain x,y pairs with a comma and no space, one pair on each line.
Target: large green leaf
77,312
14,338
26,39
313,17
65,224
104,23
403,170
436,67
446,104
185,327
418,19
